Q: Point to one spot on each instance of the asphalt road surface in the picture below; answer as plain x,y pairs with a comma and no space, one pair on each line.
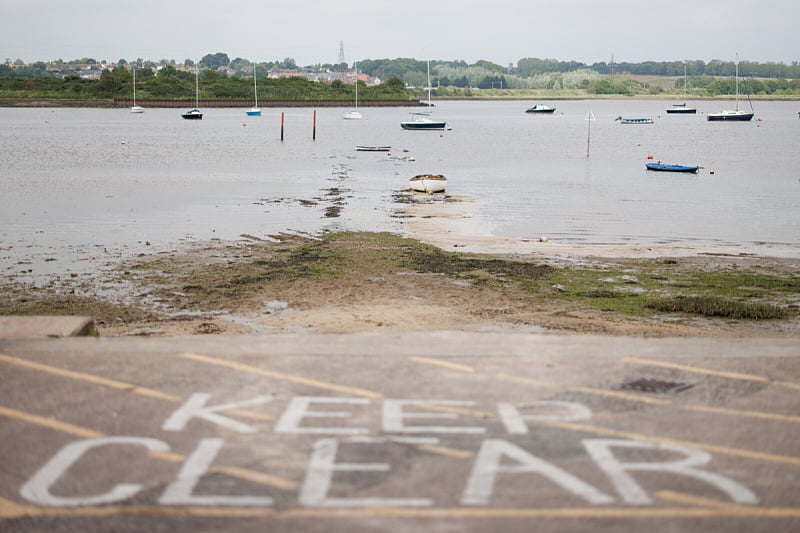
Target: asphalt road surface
438,432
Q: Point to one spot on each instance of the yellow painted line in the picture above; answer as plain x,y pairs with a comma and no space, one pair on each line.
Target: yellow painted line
457,410
697,370
787,385
445,364
89,378
587,390
281,376
699,501
256,477
114,384
64,427
87,433
12,510
655,401
746,414
736,452
447,451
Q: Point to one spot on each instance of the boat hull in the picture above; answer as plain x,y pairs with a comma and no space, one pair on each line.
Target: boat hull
734,116
428,183
353,115
194,114
541,109
663,167
682,111
423,125
361,148
635,120
254,113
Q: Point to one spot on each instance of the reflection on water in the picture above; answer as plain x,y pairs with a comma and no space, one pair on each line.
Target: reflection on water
104,183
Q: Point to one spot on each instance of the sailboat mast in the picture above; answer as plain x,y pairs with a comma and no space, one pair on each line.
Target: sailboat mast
134,85
737,82
255,87
196,86
429,85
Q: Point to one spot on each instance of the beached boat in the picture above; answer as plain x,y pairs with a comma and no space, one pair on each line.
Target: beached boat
540,108
664,167
254,111
734,114
429,183
682,108
634,120
195,114
423,121
135,108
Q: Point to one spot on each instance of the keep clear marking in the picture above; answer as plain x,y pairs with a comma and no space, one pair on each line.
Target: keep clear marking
343,442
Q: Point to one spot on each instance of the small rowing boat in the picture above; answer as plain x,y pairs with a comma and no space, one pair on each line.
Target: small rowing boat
429,183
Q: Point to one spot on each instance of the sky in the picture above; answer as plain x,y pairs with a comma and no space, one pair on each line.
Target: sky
311,31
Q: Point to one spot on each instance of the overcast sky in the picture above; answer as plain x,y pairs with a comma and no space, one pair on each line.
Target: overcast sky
310,31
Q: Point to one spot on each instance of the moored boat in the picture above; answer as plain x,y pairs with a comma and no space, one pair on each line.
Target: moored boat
428,183
362,148
665,167
423,121
736,114
541,109
195,114
635,120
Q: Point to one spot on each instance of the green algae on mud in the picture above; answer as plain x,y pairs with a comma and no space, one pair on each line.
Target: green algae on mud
340,269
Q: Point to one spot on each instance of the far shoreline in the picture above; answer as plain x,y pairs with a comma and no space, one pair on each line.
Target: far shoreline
121,103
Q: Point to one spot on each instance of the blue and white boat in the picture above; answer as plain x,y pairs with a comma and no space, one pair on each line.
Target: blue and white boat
254,111
664,167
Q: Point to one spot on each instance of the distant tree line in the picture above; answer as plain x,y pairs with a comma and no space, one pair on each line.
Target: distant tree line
704,79
170,83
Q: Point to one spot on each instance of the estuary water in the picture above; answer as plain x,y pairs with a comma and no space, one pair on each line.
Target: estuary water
86,182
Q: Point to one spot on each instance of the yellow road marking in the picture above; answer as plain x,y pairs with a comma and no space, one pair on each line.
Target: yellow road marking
119,385
736,452
447,451
86,433
281,376
587,390
697,370
114,384
656,401
446,364
699,501
11,510
748,414
64,427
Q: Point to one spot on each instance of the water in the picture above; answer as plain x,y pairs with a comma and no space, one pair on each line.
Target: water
82,184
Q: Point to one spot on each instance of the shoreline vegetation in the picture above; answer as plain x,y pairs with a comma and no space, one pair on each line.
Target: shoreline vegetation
342,282
113,103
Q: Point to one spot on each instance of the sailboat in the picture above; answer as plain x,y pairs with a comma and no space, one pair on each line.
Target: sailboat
354,114
423,121
195,114
254,111
683,108
135,108
734,114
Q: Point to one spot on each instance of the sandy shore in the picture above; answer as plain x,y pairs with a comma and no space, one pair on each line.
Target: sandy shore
450,224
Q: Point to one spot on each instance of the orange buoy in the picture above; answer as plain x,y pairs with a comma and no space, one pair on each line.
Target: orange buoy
650,156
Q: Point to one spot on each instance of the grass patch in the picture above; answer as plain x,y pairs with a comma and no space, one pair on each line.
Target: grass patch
716,306
651,286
